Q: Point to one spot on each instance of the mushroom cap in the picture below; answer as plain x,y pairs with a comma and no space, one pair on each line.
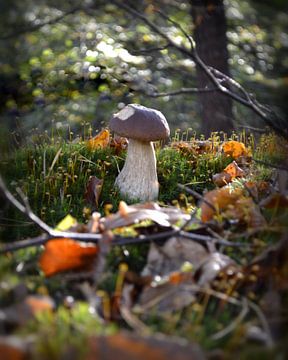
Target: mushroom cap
141,123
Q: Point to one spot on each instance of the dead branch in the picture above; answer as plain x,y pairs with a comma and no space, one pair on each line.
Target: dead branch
216,77
50,233
182,91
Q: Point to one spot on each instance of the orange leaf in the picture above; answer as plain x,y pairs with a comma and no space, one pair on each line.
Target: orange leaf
235,149
217,201
99,141
234,170
232,204
39,303
66,254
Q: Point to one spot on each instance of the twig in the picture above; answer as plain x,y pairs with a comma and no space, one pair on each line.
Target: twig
182,91
263,321
134,322
23,208
213,74
17,245
237,321
51,234
196,195
149,50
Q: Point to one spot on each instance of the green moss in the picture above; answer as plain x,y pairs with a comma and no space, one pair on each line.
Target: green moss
65,332
54,178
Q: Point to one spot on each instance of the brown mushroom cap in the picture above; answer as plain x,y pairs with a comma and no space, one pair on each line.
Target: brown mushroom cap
141,123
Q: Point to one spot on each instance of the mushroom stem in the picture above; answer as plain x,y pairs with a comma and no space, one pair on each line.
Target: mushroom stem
138,178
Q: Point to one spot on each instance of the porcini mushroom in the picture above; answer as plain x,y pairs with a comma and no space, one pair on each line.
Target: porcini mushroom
141,125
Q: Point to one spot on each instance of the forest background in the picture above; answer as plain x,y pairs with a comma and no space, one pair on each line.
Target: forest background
67,66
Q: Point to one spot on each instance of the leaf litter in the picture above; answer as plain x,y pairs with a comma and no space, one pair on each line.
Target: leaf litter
183,282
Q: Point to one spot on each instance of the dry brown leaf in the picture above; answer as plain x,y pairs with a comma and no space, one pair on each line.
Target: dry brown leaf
93,191
100,141
119,144
246,211
231,204
168,258
195,147
211,266
133,214
275,201
14,348
66,254
222,179
217,201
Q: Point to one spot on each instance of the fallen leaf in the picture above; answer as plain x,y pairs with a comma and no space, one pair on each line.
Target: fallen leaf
19,313
275,201
235,149
66,254
168,258
234,170
100,141
222,179
215,201
14,348
119,144
257,189
67,223
195,147
246,211
93,191
232,205
38,303
210,268
133,214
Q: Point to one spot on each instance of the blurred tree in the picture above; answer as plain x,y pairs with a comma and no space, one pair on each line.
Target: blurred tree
69,65
211,44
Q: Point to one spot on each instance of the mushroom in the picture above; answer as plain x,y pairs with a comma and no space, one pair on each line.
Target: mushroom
141,125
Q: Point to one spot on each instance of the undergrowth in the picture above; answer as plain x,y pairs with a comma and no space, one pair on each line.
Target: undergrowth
54,177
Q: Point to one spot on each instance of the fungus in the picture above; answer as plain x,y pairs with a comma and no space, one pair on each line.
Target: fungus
141,125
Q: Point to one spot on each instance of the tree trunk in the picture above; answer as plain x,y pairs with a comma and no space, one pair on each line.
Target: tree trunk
211,43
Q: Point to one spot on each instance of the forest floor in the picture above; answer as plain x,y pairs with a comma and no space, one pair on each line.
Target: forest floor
202,273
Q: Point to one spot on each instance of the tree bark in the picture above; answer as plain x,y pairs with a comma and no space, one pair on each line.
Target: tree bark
211,44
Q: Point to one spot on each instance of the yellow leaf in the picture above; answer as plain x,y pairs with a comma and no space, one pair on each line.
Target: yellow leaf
66,223
99,141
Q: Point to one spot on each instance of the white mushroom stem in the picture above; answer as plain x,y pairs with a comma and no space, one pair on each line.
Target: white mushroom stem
138,178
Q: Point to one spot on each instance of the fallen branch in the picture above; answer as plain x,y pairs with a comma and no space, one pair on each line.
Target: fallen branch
50,233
